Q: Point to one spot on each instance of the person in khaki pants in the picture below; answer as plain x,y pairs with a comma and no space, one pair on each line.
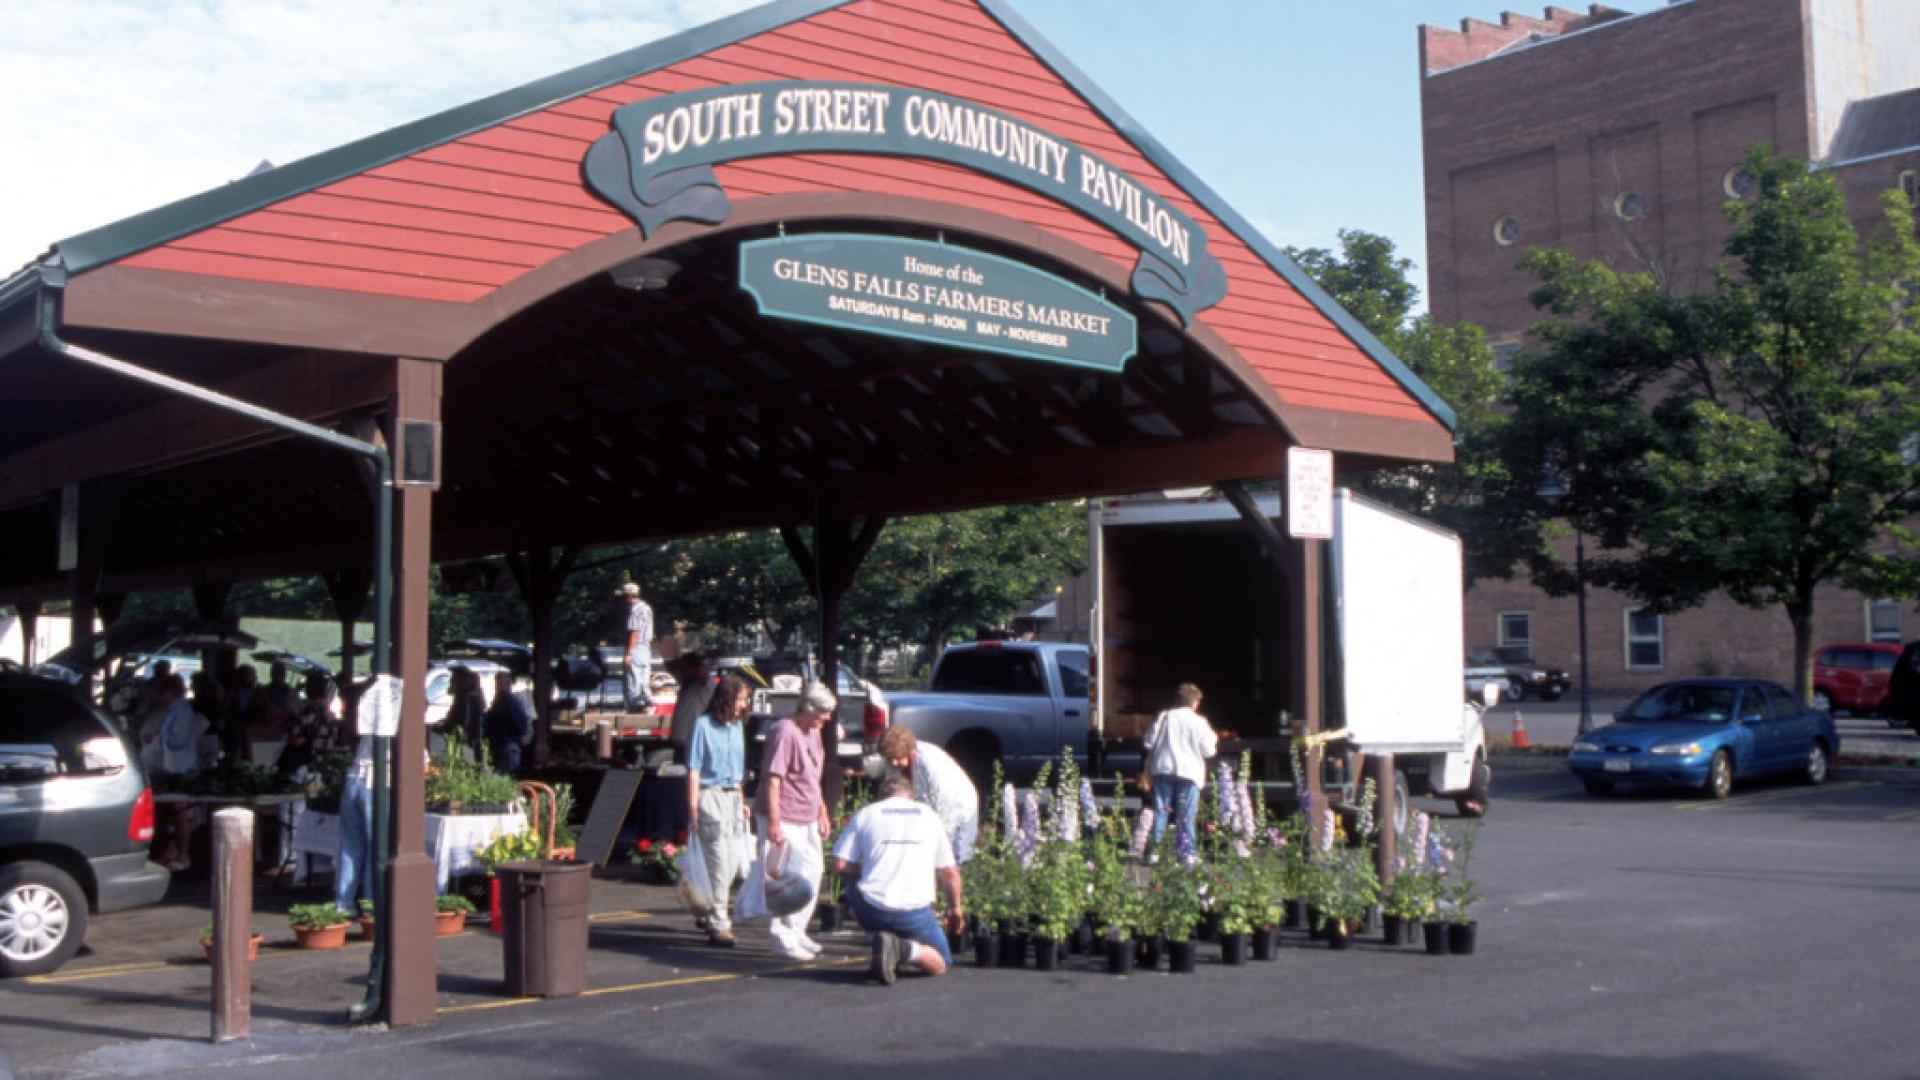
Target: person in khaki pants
716,762
790,809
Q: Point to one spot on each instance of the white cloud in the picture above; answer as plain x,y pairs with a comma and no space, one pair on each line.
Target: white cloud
112,107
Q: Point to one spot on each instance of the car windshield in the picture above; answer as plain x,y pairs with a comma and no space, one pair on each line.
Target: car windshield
1683,701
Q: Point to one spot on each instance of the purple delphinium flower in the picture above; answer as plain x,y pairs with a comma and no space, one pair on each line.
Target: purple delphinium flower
1421,824
1029,838
1243,799
1089,811
1009,811
1326,831
1142,830
1223,805
1182,836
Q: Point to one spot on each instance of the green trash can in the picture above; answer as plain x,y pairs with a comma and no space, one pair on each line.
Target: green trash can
544,904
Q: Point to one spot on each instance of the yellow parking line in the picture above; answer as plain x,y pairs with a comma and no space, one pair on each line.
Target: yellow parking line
1744,800
657,984
1905,815
619,916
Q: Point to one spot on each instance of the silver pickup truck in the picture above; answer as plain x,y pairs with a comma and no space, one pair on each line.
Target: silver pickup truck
1016,702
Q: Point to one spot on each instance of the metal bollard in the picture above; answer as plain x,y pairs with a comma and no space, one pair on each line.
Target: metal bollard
232,924
603,739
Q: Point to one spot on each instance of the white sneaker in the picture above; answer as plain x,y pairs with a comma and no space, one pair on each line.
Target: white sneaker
812,947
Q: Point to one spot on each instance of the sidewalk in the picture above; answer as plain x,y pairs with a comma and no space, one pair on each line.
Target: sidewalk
145,976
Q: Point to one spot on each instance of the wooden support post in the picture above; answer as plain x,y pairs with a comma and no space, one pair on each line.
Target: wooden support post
409,996
29,612
98,501
540,576
1305,666
838,550
1380,767
232,924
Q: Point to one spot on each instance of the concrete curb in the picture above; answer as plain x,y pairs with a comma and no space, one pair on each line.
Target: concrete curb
1889,773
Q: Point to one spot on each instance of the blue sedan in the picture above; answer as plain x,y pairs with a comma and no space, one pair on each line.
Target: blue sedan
1705,734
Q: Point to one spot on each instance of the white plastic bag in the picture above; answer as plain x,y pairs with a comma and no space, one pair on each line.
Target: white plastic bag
695,890
792,875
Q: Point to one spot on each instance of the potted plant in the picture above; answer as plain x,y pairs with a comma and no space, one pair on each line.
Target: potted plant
1056,898
1115,898
565,840
365,919
1409,899
1343,888
254,938
1176,882
450,914
658,860
1461,896
1233,888
506,847
319,926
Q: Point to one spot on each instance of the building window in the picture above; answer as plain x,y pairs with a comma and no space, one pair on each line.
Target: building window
1629,206
1883,621
1506,231
1910,185
1646,641
1504,353
1516,635
1738,183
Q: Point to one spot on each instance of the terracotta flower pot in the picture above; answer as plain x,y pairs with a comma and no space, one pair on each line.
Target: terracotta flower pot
321,937
449,923
253,947
366,927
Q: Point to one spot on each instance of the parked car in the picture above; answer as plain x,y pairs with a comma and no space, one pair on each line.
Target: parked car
1902,703
1852,677
1525,679
1480,675
1706,734
76,818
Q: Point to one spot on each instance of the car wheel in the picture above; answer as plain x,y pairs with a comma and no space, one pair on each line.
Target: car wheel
1816,773
43,918
1823,701
1516,691
1551,695
1479,792
1720,775
1598,787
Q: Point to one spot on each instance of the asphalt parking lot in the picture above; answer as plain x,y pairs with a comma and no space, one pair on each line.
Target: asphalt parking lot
1766,936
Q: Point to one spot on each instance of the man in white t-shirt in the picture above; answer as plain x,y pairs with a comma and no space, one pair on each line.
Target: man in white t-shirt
939,782
893,851
1177,751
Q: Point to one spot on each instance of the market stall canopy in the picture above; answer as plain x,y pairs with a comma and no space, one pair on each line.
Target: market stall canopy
729,279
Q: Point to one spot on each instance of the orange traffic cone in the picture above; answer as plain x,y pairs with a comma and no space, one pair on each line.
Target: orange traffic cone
1520,740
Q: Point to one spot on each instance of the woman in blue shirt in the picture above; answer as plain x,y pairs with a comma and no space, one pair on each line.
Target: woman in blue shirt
716,764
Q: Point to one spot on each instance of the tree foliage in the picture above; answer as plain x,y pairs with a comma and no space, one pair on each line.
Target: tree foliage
1757,440
1456,362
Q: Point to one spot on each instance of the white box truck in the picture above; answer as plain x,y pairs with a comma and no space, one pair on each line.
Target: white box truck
1186,592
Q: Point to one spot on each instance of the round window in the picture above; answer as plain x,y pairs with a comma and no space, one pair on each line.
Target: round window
1506,231
1629,206
1738,183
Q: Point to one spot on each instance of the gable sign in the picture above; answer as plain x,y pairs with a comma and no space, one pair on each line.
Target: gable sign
656,165
924,291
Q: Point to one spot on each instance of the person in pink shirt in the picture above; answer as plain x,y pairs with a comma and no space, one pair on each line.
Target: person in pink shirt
789,809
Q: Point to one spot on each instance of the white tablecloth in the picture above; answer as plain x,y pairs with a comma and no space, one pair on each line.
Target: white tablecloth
454,839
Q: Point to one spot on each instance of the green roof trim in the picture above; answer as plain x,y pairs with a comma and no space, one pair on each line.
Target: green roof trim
152,228
1132,131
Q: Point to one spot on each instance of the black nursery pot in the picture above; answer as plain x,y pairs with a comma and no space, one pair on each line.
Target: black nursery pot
1390,929
830,916
1147,951
1046,954
1460,937
1209,928
1338,937
986,948
1083,939
1315,928
1233,949
1436,937
1013,950
1119,956
1180,957
1296,914
1266,943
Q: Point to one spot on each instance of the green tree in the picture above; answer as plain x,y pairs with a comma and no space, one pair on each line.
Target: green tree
1757,440
1372,283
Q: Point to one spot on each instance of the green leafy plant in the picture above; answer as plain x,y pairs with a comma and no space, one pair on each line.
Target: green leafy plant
510,847
472,785
366,908
317,916
1179,906
453,902
564,835
1464,892
1343,885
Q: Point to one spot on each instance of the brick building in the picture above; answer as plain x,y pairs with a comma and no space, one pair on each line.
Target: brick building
1620,137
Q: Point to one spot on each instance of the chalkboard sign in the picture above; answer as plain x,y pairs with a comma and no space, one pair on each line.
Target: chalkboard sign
609,812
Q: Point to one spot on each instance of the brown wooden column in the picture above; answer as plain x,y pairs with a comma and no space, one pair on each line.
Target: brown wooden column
540,575
29,612
98,501
1305,664
347,588
409,996
838,550
1380,767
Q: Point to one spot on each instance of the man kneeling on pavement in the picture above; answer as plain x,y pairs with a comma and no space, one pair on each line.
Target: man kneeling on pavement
892,852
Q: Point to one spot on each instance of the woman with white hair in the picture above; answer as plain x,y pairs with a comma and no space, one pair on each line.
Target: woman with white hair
789,810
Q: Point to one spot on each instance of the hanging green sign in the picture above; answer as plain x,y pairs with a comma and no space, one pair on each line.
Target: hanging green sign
937,293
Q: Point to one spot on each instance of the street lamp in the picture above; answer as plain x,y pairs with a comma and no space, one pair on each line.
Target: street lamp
1551,491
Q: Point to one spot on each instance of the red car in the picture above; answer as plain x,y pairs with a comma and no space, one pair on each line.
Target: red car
1852,677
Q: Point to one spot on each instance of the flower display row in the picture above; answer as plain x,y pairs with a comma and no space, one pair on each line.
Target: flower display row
1053,874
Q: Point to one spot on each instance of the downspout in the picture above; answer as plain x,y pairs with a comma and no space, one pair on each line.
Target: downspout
53,280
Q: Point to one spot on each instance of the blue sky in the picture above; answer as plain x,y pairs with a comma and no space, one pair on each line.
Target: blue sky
1303,114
